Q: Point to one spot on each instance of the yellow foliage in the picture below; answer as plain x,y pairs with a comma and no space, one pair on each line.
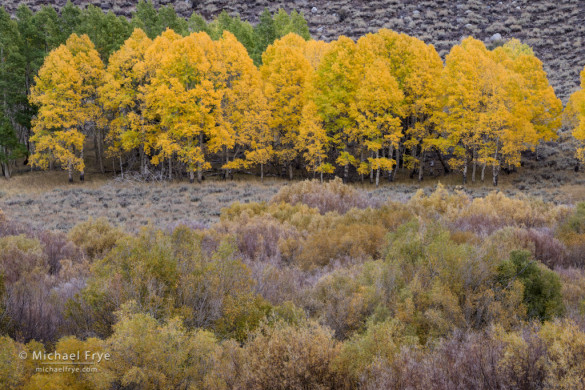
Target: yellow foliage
66,92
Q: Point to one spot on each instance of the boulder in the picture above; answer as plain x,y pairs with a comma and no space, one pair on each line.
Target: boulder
496,37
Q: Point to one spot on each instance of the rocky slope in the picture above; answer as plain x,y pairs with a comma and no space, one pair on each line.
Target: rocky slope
555,29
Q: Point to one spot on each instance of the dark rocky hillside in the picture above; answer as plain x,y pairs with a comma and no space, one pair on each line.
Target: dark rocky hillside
555,29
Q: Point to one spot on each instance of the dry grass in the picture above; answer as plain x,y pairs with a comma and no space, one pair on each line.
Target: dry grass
36,183
45,199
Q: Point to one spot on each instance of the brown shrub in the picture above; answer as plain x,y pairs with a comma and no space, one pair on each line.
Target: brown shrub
20,255
95,237
286,356
262,237
573,290
342,302
541,242
326,197
57,247
355,241
278,284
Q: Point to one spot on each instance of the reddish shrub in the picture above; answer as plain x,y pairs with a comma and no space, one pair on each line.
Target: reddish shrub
57,247
262,237
543,246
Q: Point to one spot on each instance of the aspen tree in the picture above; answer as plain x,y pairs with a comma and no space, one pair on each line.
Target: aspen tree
285,72
377,108
575,117
66,93
121,96
335,84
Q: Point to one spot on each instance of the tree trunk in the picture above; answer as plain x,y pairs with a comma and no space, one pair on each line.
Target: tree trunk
346,173
483,172
361,161
377,171
371,170
496,172
446,169
6,169
70,172
390,152
261,173
191,176
121,168
227,160
290,171
474,167
142,161
98,150
496,168
82,173
421,165
397,163
170,168
101,145
199,168
465,172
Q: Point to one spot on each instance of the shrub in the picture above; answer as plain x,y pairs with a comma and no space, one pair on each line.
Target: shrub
12,228
278,284
172,275
149,354
228,367
20,255
95,237
57,247
485,215
544,247
565,345
441,203
440,285
12,369
261,237
331,196
573,291
575,222
547,356
351,241
284,356
542,287
572,233
539,242
380,343
342,302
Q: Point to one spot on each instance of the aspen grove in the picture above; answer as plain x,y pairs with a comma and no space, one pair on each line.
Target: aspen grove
189,104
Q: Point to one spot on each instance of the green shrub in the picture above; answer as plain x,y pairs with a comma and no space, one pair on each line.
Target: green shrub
542,287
